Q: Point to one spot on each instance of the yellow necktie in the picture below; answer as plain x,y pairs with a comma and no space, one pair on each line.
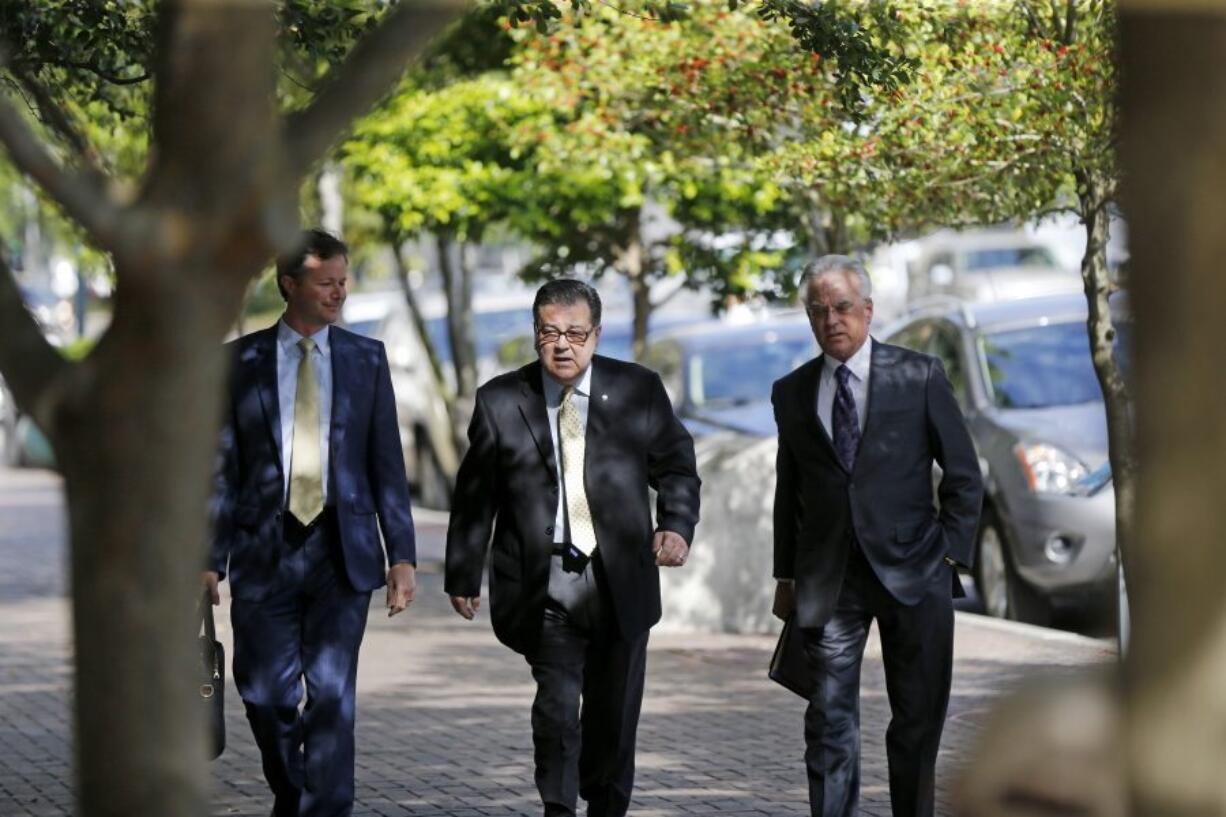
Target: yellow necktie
574,446
306,493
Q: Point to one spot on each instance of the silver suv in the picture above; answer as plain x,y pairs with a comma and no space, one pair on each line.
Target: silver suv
1023,374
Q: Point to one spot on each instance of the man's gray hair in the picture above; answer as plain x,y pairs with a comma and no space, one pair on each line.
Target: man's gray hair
828,264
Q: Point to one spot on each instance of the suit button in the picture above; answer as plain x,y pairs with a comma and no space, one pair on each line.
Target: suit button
549,531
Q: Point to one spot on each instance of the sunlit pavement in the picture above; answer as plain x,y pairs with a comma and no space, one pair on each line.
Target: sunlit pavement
443,709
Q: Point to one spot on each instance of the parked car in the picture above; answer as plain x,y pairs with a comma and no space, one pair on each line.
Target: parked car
987,265
719,375
430,455
9,451
497,318
1023,374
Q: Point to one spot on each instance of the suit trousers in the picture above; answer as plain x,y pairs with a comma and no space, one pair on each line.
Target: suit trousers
588,695
917,652
307,630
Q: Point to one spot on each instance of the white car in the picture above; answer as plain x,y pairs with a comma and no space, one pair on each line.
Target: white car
430,455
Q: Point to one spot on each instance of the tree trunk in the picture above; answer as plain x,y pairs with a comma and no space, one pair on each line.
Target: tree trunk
457,287
459,438
1095,276
837,240
813,219
1174,158
136,443
632,262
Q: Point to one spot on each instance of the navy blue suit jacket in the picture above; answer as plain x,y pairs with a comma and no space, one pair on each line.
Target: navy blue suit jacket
885,504
366,476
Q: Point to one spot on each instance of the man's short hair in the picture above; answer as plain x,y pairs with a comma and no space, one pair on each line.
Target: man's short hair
834,263
315,241
566,291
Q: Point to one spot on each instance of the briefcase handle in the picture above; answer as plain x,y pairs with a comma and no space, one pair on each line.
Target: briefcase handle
205,612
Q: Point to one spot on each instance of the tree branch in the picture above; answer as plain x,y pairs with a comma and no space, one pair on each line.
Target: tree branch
56,118
113,79
30,365
371,71
1070,21
83,197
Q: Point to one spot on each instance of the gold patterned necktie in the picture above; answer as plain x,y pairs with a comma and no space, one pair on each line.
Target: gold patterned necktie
306,494
574,446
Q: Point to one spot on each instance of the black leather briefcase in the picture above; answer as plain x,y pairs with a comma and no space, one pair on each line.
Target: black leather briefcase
212,681
789,665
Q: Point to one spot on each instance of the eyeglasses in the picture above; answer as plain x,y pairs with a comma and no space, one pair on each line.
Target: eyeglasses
575,337
842,309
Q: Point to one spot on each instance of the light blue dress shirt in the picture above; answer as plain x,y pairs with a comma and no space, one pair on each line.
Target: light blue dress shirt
288,358
553,403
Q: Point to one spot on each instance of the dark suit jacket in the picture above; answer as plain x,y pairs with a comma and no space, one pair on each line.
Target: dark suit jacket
886,502
508,484
365,467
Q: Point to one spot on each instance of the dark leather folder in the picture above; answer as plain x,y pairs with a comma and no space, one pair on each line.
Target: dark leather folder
789,665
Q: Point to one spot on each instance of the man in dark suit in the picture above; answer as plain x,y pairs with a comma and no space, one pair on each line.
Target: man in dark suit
857,537
562,453
311,469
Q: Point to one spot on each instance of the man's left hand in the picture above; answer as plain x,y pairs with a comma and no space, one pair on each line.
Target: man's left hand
401,584
670,549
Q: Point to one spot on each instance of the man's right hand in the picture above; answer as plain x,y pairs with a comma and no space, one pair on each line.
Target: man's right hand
210,579
785,599
466,606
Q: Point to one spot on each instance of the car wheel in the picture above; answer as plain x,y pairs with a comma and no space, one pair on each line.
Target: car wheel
10,446
1005,594
1123,615
433,490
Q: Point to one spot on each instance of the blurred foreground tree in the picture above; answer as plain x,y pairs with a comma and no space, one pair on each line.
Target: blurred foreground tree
134,423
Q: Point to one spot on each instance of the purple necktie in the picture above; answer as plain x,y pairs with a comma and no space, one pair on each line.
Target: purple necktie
843,420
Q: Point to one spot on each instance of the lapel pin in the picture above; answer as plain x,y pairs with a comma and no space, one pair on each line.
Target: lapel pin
604,397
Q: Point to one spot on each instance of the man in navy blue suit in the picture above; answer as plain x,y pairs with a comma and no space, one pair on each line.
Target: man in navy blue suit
311,470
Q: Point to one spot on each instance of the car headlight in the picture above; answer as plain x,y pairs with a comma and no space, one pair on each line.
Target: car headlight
1049,469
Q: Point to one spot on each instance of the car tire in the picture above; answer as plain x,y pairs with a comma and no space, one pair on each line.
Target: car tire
432,486
10,446
1004,593
1123,613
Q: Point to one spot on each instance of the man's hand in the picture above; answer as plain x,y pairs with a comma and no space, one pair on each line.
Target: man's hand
785,599
670,549
466,606
209,579
401,584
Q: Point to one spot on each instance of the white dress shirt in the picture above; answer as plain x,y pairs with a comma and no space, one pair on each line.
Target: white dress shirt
553,403
859,363
289,355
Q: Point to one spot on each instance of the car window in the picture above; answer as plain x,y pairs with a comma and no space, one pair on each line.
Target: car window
736,375
1031,256
1043,366
913,336
490,331
369,328
945,344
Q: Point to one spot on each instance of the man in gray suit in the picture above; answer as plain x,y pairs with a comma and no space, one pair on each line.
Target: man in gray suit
857,537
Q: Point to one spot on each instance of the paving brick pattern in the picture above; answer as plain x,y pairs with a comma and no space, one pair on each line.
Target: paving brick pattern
443,709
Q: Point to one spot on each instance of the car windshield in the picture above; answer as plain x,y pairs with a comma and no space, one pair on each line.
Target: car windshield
736,375
490,330
979,260
1050,365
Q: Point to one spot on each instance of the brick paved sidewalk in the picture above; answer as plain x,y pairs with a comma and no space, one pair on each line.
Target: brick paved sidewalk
443,710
